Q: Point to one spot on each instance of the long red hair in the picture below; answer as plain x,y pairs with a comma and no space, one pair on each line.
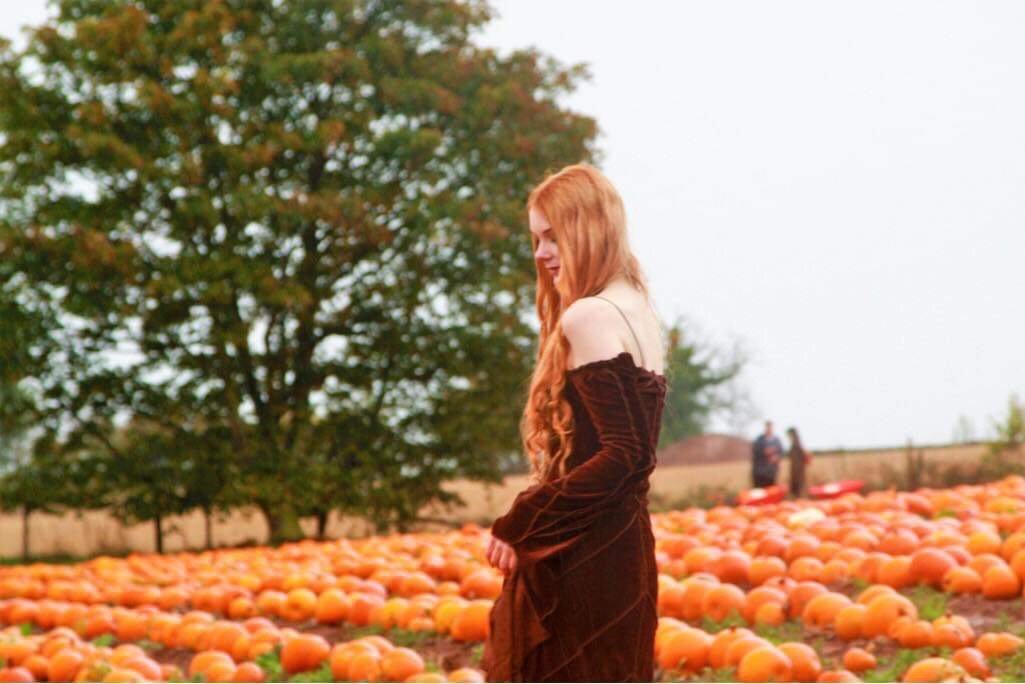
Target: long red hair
588,222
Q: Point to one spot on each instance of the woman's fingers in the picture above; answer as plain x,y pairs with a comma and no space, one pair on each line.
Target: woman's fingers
501,563
508,558
503,552
500,555
490,553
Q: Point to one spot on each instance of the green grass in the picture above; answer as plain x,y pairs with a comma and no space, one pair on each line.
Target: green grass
892,669
1003,623
788,631
407,638
1010,668
195,679
399,637
818,644
64,558
859,585
149,646
723,674
368,630
270,663
320,675
1007,621
732,620
931,603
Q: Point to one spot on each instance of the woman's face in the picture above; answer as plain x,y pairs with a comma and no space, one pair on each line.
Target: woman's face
547,252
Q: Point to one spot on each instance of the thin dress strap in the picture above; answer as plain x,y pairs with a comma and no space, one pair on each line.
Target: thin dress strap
640,349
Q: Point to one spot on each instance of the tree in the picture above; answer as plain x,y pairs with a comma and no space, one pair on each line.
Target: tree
297,227
16,409
24,351
964,431
702,386
1006,453
43,480
1010,431
149,473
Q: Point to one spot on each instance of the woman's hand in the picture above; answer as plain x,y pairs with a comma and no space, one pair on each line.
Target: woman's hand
500,555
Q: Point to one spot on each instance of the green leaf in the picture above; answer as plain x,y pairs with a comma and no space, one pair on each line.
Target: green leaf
323,674
104,640
270,663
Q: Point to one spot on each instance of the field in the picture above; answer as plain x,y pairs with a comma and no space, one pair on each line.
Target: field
94,533
892,586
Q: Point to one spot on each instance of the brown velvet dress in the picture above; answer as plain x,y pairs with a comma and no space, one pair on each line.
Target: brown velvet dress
581,604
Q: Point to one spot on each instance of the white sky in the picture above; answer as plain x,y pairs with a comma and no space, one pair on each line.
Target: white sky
840,186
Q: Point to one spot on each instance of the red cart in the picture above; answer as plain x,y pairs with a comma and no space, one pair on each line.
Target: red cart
832,490
759,496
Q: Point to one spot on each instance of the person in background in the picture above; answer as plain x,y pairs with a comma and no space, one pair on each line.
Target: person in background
800,459
765,456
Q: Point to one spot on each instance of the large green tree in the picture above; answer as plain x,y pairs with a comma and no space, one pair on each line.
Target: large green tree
292,232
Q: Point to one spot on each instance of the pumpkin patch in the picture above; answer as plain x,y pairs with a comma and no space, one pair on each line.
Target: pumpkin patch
886,585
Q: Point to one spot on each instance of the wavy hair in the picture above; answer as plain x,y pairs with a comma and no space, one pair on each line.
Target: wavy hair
589,224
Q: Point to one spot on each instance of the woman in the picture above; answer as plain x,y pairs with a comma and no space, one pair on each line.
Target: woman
579,598
799,462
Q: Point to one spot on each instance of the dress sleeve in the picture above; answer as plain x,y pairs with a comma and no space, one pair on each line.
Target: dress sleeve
548,517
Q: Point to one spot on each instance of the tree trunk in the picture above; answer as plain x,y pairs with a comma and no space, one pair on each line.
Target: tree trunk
208,521
25,513
158,534
282,522
321,523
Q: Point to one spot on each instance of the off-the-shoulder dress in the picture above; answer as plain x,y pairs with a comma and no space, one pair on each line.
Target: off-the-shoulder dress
581,603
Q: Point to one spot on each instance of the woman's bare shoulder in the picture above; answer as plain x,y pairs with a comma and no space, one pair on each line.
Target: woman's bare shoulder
589,327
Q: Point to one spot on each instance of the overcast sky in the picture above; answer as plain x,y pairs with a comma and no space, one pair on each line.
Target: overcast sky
840,186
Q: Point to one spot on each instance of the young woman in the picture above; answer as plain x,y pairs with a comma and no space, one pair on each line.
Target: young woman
579,598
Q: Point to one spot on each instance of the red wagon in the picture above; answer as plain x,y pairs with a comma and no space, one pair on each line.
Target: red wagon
832,490
759,496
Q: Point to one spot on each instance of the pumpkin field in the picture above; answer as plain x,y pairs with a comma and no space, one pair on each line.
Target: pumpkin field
888,586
